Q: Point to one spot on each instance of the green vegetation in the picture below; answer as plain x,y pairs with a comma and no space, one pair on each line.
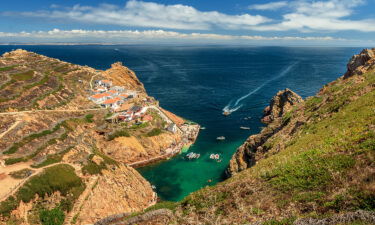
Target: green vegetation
89,118
118,133
154,132
7,68
21,174
310,170
60,178
51,159
54,216
140,126
23,76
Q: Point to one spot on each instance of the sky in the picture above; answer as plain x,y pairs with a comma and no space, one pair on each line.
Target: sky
299,22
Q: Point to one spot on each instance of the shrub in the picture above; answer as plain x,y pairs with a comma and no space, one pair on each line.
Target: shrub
60,178
118,133
52,217
23,76
7,206
154,132
89,117
93,168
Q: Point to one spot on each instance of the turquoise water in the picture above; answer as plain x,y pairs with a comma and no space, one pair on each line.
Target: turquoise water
198,82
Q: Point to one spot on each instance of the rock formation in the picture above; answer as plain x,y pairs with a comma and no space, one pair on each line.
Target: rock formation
246,154
281,103
360,63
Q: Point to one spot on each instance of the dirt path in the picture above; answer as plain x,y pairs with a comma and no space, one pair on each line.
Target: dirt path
81,200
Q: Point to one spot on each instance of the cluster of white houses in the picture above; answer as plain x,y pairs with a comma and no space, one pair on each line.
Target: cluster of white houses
108,96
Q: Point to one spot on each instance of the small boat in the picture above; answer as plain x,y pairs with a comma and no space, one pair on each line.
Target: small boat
202,128
226,113
193,155
215,156
221,138
245,128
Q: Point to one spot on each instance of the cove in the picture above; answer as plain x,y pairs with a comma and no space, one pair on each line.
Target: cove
198,82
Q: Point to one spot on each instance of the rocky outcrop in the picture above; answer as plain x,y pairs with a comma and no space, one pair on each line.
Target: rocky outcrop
248,153
123,76
118,190
281,103
360,63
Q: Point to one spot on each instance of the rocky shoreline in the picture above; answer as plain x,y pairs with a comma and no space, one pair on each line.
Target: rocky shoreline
171,151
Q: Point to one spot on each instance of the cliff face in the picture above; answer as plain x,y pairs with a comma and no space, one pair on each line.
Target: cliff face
275,115
312,164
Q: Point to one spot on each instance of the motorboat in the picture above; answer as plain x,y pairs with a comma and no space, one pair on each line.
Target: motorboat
221,138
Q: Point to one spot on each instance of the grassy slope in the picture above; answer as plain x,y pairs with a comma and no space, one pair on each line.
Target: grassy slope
325,168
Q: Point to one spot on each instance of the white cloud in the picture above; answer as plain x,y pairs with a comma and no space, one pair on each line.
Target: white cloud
318,16
300,15
149,14
269,6
135,36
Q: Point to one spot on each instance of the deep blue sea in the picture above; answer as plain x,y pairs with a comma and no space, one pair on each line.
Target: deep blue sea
198,82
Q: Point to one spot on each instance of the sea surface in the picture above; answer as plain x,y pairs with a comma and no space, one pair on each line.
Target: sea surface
199,82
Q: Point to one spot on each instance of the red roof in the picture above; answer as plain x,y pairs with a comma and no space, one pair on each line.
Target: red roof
124,95
106,81
112,100
147,117
101,95
112,91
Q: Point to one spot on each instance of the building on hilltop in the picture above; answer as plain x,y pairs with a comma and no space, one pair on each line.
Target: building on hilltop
100,97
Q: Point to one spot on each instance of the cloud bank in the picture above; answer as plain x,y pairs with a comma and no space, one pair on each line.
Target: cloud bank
149,14
125,35
298,15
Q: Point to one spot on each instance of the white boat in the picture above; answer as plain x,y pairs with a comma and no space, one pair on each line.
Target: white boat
193,155
221,138
245,128
203,128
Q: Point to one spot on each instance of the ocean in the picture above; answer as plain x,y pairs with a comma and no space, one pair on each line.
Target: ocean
199,82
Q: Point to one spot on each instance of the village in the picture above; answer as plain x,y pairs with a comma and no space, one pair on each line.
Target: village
136,108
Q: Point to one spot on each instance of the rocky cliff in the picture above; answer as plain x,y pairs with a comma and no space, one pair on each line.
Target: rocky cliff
312,164
60,154
276,116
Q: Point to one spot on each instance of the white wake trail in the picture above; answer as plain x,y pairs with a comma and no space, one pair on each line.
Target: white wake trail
232,108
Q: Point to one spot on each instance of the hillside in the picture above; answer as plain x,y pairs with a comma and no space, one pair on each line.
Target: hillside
313,163
70,136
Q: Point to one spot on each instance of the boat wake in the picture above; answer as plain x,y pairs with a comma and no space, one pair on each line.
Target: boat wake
230,107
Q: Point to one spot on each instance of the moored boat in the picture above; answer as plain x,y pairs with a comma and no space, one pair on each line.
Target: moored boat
245,128
221,138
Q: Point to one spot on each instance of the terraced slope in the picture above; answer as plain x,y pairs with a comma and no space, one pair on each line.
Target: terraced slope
48,125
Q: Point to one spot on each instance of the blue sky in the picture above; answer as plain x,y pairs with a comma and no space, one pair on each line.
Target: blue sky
320,22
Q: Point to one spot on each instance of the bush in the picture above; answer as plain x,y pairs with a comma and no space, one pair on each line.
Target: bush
154,132
93,168
89,117
52,217
7,206
23,76
118,133
60,178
